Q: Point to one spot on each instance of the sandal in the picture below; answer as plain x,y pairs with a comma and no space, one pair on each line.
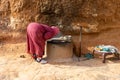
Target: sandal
43,61
40,60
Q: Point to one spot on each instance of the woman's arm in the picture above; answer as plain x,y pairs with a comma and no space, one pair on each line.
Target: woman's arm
50,32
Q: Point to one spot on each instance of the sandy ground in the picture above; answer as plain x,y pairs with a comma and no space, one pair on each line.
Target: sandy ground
14,67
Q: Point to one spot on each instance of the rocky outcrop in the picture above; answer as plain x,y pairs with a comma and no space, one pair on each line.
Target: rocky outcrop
101,17
93,14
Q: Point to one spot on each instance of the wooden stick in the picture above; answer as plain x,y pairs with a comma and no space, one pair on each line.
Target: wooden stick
80,42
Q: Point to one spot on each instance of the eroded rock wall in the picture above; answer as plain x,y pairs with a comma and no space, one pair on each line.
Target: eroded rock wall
93,14
101,17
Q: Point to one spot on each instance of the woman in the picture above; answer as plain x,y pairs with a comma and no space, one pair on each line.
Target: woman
37,34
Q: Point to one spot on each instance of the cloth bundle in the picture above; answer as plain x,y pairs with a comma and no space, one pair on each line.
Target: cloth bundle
106,49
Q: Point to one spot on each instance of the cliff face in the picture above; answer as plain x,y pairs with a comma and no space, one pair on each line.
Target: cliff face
101,17
93,14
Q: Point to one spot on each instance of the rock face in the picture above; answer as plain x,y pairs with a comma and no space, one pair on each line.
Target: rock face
92,14
96,16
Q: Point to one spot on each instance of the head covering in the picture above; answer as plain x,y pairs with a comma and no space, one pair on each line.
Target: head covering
55,29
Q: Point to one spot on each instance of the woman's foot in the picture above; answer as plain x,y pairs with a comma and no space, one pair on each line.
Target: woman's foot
34,56
40,60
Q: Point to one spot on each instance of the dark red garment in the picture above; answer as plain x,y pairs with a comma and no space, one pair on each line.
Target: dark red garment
37,34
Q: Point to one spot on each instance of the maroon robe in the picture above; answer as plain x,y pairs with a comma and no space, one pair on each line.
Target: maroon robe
37,34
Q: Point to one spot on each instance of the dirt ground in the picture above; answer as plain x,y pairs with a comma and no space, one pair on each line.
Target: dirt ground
15,67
